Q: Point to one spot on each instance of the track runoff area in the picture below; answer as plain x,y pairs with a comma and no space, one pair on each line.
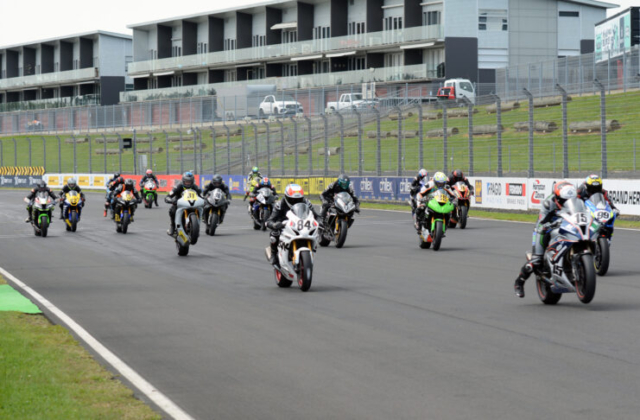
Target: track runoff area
387,330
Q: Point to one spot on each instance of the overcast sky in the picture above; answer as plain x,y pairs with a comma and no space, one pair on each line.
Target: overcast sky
24,21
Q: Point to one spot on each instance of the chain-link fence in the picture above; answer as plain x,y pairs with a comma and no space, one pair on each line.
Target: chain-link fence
529,134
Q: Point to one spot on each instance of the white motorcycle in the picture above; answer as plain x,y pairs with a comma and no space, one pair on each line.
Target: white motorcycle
214,210
187,220
298,242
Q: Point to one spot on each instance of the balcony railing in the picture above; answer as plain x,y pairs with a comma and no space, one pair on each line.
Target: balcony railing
295,49
59,77
66,102
385,74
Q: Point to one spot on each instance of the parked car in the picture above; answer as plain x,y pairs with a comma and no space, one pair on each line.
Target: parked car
351,101
271,105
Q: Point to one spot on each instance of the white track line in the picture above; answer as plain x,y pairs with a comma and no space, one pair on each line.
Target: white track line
138,381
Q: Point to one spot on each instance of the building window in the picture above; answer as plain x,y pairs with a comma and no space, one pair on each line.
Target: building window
176,51
202,48
569,14
259,41
229,44
357,63
392,23
321,32
431,18
230,75
356,28
289,36
321,66
289,70
493,20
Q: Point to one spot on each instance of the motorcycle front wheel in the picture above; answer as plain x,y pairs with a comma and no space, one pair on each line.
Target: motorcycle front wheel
213,223
306,271
44,226
125,223
194,228
437,235
265,217
601,258
74,220
342,233
464,214
585,278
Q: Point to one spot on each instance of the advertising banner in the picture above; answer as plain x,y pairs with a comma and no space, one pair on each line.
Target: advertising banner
501,193
613,37
625,194
19,181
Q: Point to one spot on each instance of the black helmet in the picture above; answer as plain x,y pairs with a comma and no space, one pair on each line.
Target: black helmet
41,185
343,182
457,175
216,181
129,184
188,180
116,175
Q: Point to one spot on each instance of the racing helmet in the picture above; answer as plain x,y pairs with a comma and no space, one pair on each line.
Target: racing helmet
216,181
72,183
129,184
41,185
343,182
293,194
255,170
120,180
266,182
423,173
440,180
149,172
457,175
594,184
188,180
116,175
563,191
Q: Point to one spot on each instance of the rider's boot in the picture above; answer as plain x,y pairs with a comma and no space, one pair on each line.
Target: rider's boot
529,268
156,200
172,229
274,254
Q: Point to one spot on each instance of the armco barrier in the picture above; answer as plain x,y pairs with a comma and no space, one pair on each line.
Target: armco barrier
19,181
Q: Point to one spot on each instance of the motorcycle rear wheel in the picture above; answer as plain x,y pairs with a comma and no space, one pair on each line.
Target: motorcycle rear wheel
306,271
545,294
183,251
280,280
194,228
437,235
423,244
464,214
601,257
342,234
585,282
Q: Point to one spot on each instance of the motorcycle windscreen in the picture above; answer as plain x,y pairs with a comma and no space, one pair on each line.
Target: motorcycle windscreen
301,210
574,205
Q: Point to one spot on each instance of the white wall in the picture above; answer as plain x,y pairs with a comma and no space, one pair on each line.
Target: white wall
176,36
461,18
357,12
259,26
290,15
322,14
230,28
112,55
395,11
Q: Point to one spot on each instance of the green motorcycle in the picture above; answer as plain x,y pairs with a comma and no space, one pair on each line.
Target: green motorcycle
149,193
435,220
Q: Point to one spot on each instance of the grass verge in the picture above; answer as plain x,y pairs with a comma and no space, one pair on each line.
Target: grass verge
47,374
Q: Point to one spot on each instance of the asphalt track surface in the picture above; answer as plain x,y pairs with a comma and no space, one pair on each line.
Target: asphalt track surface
387,331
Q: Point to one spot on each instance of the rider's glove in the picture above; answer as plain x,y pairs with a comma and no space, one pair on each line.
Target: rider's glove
616,212
168,200
139,200
280,225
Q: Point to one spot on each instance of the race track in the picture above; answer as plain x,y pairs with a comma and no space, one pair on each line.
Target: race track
387,331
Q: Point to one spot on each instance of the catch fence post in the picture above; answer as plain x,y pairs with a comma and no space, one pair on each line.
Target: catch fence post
135,154
59,154
195,145
255,146
228,148
166,141
530,96
499,132
281,124
360,157
378,144
104,138
445,137
420,135
310,152
295,146
119,152
181,153
75,157
2,153
15,152
341,118
29,141
326,145
150,163
565,136
242,146
603,126
399,163
214,149
266,124
90,151
470,108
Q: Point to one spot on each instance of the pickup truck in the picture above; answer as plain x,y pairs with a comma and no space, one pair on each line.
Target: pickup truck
351,101
271,105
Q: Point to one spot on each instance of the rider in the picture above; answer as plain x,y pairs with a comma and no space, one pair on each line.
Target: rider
592,185
218,182
293,194
342,184
264,183
416,185
253,175
438,182
41,186
188,183
562,192
458,176
111,187
72,185
150,176
129,185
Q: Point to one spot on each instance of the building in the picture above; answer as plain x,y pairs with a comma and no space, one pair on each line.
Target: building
316,43
81,69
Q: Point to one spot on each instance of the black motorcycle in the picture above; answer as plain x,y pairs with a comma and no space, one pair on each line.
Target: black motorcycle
338,220
215,208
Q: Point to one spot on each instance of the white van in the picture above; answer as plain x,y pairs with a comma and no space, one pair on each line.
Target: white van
463,88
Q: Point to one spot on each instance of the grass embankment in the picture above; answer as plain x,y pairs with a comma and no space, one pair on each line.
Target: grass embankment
584,149
46,374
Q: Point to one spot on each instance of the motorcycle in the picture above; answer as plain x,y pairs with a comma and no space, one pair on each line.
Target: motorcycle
149,193
214,209
338,220
263,205
72,208
433,226
41,213
189,210
124,205
604,217
461,203
298,241
568,261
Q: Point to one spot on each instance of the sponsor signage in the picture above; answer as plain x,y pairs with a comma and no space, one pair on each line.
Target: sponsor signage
613,37
6,181
478,191
625,194
19,181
